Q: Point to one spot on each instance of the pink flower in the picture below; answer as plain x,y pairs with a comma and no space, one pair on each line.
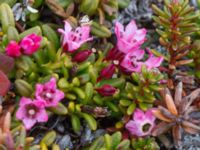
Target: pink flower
142,123
72,40
31,112
13,49
49,93
133,61
106,90
30,44
129,38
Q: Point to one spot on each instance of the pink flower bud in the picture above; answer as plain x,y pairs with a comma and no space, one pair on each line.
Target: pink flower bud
13,49
107,72
30,44
106,90
82,56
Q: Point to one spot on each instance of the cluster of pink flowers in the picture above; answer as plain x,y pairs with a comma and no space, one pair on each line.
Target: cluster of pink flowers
129,42
127,54
27,46
33,111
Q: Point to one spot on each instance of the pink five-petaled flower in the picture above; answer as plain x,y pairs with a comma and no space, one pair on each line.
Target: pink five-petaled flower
72,40
49,93
31,112
13,49
106,90
30,44
142,123
132,62
129,38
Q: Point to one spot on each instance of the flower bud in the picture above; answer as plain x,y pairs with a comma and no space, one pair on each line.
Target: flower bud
107,72
30,44
13,49
115,54
106,90
82,56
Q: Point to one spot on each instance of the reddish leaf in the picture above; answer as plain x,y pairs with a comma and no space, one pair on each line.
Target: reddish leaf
176,132
6,63
4,84
162,128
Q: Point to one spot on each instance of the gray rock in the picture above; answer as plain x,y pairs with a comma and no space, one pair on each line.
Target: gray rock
65,142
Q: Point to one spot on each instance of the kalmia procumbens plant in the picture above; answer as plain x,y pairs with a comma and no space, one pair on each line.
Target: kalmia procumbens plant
67,79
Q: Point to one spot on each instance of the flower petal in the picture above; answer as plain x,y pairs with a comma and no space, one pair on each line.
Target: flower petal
149,115
51,84
153,62
119,29
139,54
140,35
139,115
28,123
38,91
133,128
130,30
24,101
20,114
42,116
39,103
68,27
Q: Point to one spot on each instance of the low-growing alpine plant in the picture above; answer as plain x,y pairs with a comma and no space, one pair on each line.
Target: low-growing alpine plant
73,77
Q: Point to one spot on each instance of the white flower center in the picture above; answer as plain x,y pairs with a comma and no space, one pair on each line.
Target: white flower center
94,50
134,61
31,112
48,95
116,62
